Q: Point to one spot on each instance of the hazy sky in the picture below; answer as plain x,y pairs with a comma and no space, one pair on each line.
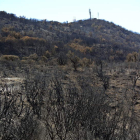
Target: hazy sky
125,13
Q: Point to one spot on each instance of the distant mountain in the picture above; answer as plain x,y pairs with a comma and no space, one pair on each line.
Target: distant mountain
86,38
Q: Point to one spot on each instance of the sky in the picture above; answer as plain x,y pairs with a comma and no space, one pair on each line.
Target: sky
125,13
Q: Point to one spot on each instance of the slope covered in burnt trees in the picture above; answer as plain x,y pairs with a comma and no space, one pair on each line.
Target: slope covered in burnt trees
86,38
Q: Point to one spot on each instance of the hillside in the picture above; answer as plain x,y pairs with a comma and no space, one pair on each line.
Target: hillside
68,81
86,38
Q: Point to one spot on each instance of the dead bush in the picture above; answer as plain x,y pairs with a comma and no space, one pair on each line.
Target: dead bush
47,54
75,60
33,57
86,62
62,59
9,57
44,58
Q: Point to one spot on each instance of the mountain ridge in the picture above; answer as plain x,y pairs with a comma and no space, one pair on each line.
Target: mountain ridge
104,38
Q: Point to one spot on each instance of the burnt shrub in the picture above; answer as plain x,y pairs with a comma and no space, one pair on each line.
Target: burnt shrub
62,59
9,57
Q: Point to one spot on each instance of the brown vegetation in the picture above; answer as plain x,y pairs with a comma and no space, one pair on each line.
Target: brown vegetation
77,81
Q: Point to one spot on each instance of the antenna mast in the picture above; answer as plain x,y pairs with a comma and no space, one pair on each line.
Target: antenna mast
90,13
98,15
